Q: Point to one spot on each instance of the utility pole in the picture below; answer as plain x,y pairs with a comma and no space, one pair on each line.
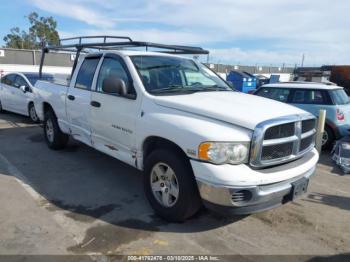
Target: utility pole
302,60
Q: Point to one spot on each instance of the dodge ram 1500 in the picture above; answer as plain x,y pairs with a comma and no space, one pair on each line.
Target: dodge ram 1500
196,140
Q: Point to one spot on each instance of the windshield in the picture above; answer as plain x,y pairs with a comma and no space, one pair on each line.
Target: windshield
339,97
164,74
33,78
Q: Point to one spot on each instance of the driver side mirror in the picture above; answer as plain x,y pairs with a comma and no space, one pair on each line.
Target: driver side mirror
113,85
24,89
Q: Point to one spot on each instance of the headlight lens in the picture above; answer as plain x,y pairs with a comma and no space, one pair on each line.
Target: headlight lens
221,153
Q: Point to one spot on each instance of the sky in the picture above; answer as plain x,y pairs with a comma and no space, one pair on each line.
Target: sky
245,32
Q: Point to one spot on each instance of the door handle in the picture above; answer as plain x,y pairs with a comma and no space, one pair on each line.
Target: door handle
70,97
95,104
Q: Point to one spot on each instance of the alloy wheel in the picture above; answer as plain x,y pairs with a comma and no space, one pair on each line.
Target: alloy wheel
164,184
33,114
49,130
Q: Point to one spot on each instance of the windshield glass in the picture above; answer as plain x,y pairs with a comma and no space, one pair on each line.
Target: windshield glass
33,78
339,97
164,74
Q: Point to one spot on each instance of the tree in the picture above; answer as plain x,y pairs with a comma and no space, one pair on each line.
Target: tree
42,29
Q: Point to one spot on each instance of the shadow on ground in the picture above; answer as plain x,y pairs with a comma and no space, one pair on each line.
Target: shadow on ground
342,202
88,185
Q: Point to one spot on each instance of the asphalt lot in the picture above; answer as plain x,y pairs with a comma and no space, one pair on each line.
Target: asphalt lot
80,201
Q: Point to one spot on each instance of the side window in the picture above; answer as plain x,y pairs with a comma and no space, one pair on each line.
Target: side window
19,81
279,94
113,68
304,96
86,73
9,79
3,80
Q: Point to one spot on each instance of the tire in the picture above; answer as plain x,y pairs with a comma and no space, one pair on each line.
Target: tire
32,113
188,201
1,110
54,137
328,138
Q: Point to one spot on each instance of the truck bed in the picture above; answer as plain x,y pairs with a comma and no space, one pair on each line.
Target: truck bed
53,94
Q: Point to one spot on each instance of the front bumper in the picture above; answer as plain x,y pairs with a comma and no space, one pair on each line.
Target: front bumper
247,199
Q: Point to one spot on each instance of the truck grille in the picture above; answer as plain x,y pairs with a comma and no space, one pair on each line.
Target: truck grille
282,140
276,151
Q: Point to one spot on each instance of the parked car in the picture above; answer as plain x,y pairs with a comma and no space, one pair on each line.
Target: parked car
312,97
196,140
341,154
16,93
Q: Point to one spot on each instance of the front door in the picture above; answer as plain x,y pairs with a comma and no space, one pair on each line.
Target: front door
113,118
20,98
79,98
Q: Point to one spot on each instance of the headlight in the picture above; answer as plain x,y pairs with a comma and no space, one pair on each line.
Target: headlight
221,153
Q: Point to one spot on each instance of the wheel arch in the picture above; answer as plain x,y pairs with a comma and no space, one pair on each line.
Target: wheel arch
30,103
152,143
333,128
47,107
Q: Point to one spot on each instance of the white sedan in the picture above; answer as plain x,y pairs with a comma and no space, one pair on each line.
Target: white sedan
16,93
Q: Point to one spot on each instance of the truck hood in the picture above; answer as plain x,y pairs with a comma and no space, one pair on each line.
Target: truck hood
233,107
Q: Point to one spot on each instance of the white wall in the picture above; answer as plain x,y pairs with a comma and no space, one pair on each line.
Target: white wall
31,68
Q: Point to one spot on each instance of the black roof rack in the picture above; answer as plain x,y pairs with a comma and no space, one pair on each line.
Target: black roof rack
114,43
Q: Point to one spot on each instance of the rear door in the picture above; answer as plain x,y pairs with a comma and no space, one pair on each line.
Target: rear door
7,92
113,118
3,92
79,98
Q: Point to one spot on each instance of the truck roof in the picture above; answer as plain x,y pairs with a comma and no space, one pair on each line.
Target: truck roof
118,44
303,86
138,53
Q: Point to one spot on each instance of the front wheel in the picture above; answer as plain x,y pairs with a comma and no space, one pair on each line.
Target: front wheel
32,113
170,186
54,137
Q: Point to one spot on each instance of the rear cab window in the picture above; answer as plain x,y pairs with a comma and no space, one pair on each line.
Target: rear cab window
86,73
279,94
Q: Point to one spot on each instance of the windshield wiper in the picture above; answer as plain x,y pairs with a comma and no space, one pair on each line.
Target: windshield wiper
215,88
176,88
188,89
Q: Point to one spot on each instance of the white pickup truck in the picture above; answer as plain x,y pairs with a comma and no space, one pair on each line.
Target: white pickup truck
196,140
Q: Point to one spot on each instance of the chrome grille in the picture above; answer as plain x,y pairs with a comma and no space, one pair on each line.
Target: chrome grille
280,131
306,142
276,151
308,125
281,140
